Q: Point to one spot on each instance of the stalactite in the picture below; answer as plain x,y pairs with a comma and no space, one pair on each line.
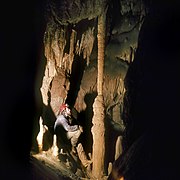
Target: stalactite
55,43
62,44
64,63
71,50
86,44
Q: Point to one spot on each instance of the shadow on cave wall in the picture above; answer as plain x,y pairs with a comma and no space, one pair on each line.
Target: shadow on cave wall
49,118
39,105
78,67
111,137
85,119
44,111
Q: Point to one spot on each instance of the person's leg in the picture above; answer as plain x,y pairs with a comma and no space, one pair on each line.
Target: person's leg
74,136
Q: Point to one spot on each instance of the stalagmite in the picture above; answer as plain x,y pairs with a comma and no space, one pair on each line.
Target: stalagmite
43,129
82,156
55,148
98,129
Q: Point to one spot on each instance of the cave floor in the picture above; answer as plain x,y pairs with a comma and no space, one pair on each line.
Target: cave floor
49,167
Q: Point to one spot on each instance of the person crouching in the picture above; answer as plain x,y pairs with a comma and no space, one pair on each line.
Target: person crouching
64,128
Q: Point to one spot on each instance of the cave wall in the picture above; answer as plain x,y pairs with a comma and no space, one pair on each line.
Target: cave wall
150,142
76,39
70,49
19,69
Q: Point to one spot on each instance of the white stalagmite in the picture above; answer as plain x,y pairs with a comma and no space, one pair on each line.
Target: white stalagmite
55,148
39,138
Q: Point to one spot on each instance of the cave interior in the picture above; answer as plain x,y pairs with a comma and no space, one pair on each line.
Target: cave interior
52,55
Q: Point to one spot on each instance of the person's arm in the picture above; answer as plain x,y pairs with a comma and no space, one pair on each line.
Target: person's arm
63,122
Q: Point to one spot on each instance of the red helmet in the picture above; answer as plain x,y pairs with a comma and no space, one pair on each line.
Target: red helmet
63,107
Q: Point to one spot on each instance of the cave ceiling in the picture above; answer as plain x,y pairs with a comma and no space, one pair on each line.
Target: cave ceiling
70,39
68,11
